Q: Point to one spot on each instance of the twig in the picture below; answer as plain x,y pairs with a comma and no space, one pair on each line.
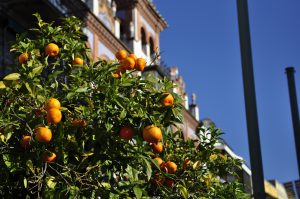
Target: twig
59,174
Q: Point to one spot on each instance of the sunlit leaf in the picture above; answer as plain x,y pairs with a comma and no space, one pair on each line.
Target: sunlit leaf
50,182
12,76
183,191
25,182
37,70
138,192
2,85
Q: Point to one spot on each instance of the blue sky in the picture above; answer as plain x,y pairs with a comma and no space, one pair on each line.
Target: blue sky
203,41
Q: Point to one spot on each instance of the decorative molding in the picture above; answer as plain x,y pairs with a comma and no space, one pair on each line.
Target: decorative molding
80,9
151,15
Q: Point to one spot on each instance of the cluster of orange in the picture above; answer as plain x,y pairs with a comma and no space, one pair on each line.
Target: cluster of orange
153,135
51,50
53,111
128,62
44,134
54,116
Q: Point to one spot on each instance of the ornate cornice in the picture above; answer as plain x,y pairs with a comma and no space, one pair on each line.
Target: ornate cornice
147,9
80,9
151,14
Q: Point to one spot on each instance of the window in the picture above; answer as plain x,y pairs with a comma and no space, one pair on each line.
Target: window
152,52
144,40
122,32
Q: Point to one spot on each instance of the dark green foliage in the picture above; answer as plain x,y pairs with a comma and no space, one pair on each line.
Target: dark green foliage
92,160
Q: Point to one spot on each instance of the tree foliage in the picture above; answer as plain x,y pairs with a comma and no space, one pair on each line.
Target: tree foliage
92,160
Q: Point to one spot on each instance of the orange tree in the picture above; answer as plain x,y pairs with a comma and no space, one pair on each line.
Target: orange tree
71,127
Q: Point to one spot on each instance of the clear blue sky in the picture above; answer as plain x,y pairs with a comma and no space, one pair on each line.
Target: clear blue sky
203,41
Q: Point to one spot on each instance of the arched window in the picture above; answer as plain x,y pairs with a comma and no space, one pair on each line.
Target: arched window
152,51
122,32
144,40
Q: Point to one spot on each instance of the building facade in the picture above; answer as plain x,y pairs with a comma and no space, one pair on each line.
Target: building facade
275,190
293,189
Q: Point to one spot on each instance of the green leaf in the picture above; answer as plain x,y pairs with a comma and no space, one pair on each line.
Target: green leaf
196,165
53,85
123,114
55,74
2,138
138,192
106,185
40,98
132,173
29,164
37,70
8,135
50,182
148,167
28,88
25,182
113,196
2,85
70,95
183,191
87,154
108,126
6,160
73,190
81,90
12,76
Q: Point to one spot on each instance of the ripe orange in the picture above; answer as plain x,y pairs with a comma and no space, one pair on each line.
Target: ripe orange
121,54
25,141
54,116
132,56
186,163
171,166
23,58
77,61
49,156
52,50
43,134
120,71
52,103
169,183
126,133
157,148
79,122
168,99
152,134
140,64
128,63
158,160
116,75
